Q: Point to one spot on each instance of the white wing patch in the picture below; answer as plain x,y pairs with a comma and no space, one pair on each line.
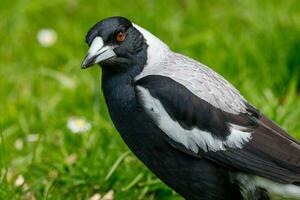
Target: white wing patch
196,77
192,139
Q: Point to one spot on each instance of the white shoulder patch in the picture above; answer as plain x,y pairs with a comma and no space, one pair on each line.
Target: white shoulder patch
200,80
192,139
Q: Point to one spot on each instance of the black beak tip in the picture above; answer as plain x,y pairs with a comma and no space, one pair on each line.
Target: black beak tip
83,66
86,65
87,62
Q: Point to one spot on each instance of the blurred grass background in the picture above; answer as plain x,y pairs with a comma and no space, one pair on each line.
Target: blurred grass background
255,44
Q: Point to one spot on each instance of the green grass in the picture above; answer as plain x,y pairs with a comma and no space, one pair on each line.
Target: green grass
254,44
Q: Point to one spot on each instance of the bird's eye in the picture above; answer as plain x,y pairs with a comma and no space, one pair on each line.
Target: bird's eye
120,37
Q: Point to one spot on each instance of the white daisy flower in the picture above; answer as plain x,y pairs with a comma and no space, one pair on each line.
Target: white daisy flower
78,125
19,144
46,37
32,137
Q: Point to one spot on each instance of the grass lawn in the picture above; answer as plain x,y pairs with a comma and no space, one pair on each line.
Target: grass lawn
255,44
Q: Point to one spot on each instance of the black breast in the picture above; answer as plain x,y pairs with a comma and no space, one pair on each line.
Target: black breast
191,177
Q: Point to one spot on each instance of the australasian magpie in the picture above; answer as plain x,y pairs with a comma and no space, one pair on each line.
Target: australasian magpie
186,123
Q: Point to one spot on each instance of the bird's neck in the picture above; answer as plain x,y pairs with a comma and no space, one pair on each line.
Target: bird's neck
120,97
156,50
118,87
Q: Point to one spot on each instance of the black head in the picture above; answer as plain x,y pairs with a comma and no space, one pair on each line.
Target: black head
114,42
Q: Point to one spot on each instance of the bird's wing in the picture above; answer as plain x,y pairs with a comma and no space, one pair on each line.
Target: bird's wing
200,80
244,141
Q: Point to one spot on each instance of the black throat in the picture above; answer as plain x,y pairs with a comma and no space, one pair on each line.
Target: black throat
118,80
120,71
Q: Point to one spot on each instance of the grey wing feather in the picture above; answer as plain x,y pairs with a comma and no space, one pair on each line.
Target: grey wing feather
200,80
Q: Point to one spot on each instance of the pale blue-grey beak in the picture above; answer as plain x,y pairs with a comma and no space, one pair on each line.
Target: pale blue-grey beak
97,53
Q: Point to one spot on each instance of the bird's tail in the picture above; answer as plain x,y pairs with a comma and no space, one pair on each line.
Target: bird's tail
282,191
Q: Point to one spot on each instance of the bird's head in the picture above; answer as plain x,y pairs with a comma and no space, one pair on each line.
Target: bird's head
113,42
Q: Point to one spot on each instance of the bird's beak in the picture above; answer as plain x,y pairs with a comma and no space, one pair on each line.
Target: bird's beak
98,52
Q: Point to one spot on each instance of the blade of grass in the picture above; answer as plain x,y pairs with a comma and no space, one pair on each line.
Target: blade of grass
116,164
133,182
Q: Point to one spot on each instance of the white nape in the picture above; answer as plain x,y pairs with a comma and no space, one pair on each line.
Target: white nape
156,48
192,139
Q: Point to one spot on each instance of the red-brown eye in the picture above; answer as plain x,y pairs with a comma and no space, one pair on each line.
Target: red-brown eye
120,37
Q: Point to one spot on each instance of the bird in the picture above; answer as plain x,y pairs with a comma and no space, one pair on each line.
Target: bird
186,123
